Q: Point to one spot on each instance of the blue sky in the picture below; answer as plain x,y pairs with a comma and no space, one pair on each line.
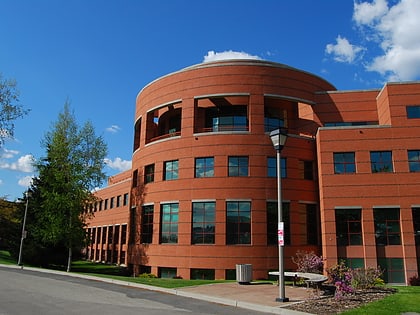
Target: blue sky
100,54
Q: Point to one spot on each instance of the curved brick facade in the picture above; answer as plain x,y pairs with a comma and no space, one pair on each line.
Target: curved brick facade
203,190
256,94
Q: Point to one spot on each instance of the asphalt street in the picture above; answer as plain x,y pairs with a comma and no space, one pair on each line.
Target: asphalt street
30,292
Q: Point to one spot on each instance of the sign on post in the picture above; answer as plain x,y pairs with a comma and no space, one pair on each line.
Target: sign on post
280,233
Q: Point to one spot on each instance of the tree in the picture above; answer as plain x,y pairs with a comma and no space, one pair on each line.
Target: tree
72,168
10,108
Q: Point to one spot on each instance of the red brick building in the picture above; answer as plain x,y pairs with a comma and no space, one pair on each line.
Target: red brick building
203,192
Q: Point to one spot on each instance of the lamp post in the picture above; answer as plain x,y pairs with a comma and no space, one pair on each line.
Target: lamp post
23,230
279,137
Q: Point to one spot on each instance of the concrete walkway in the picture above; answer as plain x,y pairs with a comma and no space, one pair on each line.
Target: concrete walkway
257,296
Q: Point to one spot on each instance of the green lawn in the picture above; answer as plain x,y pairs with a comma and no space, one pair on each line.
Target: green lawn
407,299
6,259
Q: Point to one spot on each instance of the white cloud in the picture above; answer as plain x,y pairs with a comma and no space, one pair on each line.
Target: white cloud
343,51
113,129
118,164
390,36
25,181
215,56
367,13
23,164
7,154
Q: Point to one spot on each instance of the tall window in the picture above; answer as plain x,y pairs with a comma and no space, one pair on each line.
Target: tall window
204,167
272,167
381,161
307,169
125,199
348,226
147,224
170,170
169,223
387,226
414,160
312,227
149,173
238,222
413,111
416,224
203,225
393,269
272,223
344,163
238,166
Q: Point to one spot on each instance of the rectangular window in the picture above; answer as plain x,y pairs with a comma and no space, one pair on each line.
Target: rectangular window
119,201
147,224
134,182
238,222
203,225
393,269
348,226
306,169
312,230
111,204
416,225
106,204
353,263
204,167
387,226
149,173
202,274
123,234
272,167
344,163
169,223
414,160
125,199
133,226
272,223
413,111
170,170
381,161
167,272
238,166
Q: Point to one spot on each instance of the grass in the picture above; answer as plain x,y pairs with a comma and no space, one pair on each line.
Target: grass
405,300
6,259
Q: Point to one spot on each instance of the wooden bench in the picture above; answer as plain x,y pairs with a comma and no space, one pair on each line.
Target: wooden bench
310,278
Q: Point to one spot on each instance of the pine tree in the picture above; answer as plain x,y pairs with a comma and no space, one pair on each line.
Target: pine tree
72,168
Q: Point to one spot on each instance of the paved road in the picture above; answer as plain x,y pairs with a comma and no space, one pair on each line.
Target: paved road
31,292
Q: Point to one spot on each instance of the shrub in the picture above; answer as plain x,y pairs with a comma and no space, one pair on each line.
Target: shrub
414,280
147,275
308,262
366,278
341,277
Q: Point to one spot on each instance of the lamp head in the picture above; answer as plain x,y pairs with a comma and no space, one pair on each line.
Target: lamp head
278,137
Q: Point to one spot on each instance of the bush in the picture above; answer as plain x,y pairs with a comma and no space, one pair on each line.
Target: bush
366,278
147,275
308,262
341,277
414,280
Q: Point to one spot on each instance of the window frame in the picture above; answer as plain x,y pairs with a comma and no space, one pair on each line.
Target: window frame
170,170
345,221
272,170
413,160
149,173
413,111
238,230
169,222
208,227
237,167
207,167
379,162
344,162
146,232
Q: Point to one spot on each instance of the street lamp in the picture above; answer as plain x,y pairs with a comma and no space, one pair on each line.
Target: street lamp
279,137
23,230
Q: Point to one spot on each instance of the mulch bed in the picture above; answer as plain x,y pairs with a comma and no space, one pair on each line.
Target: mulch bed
323,301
